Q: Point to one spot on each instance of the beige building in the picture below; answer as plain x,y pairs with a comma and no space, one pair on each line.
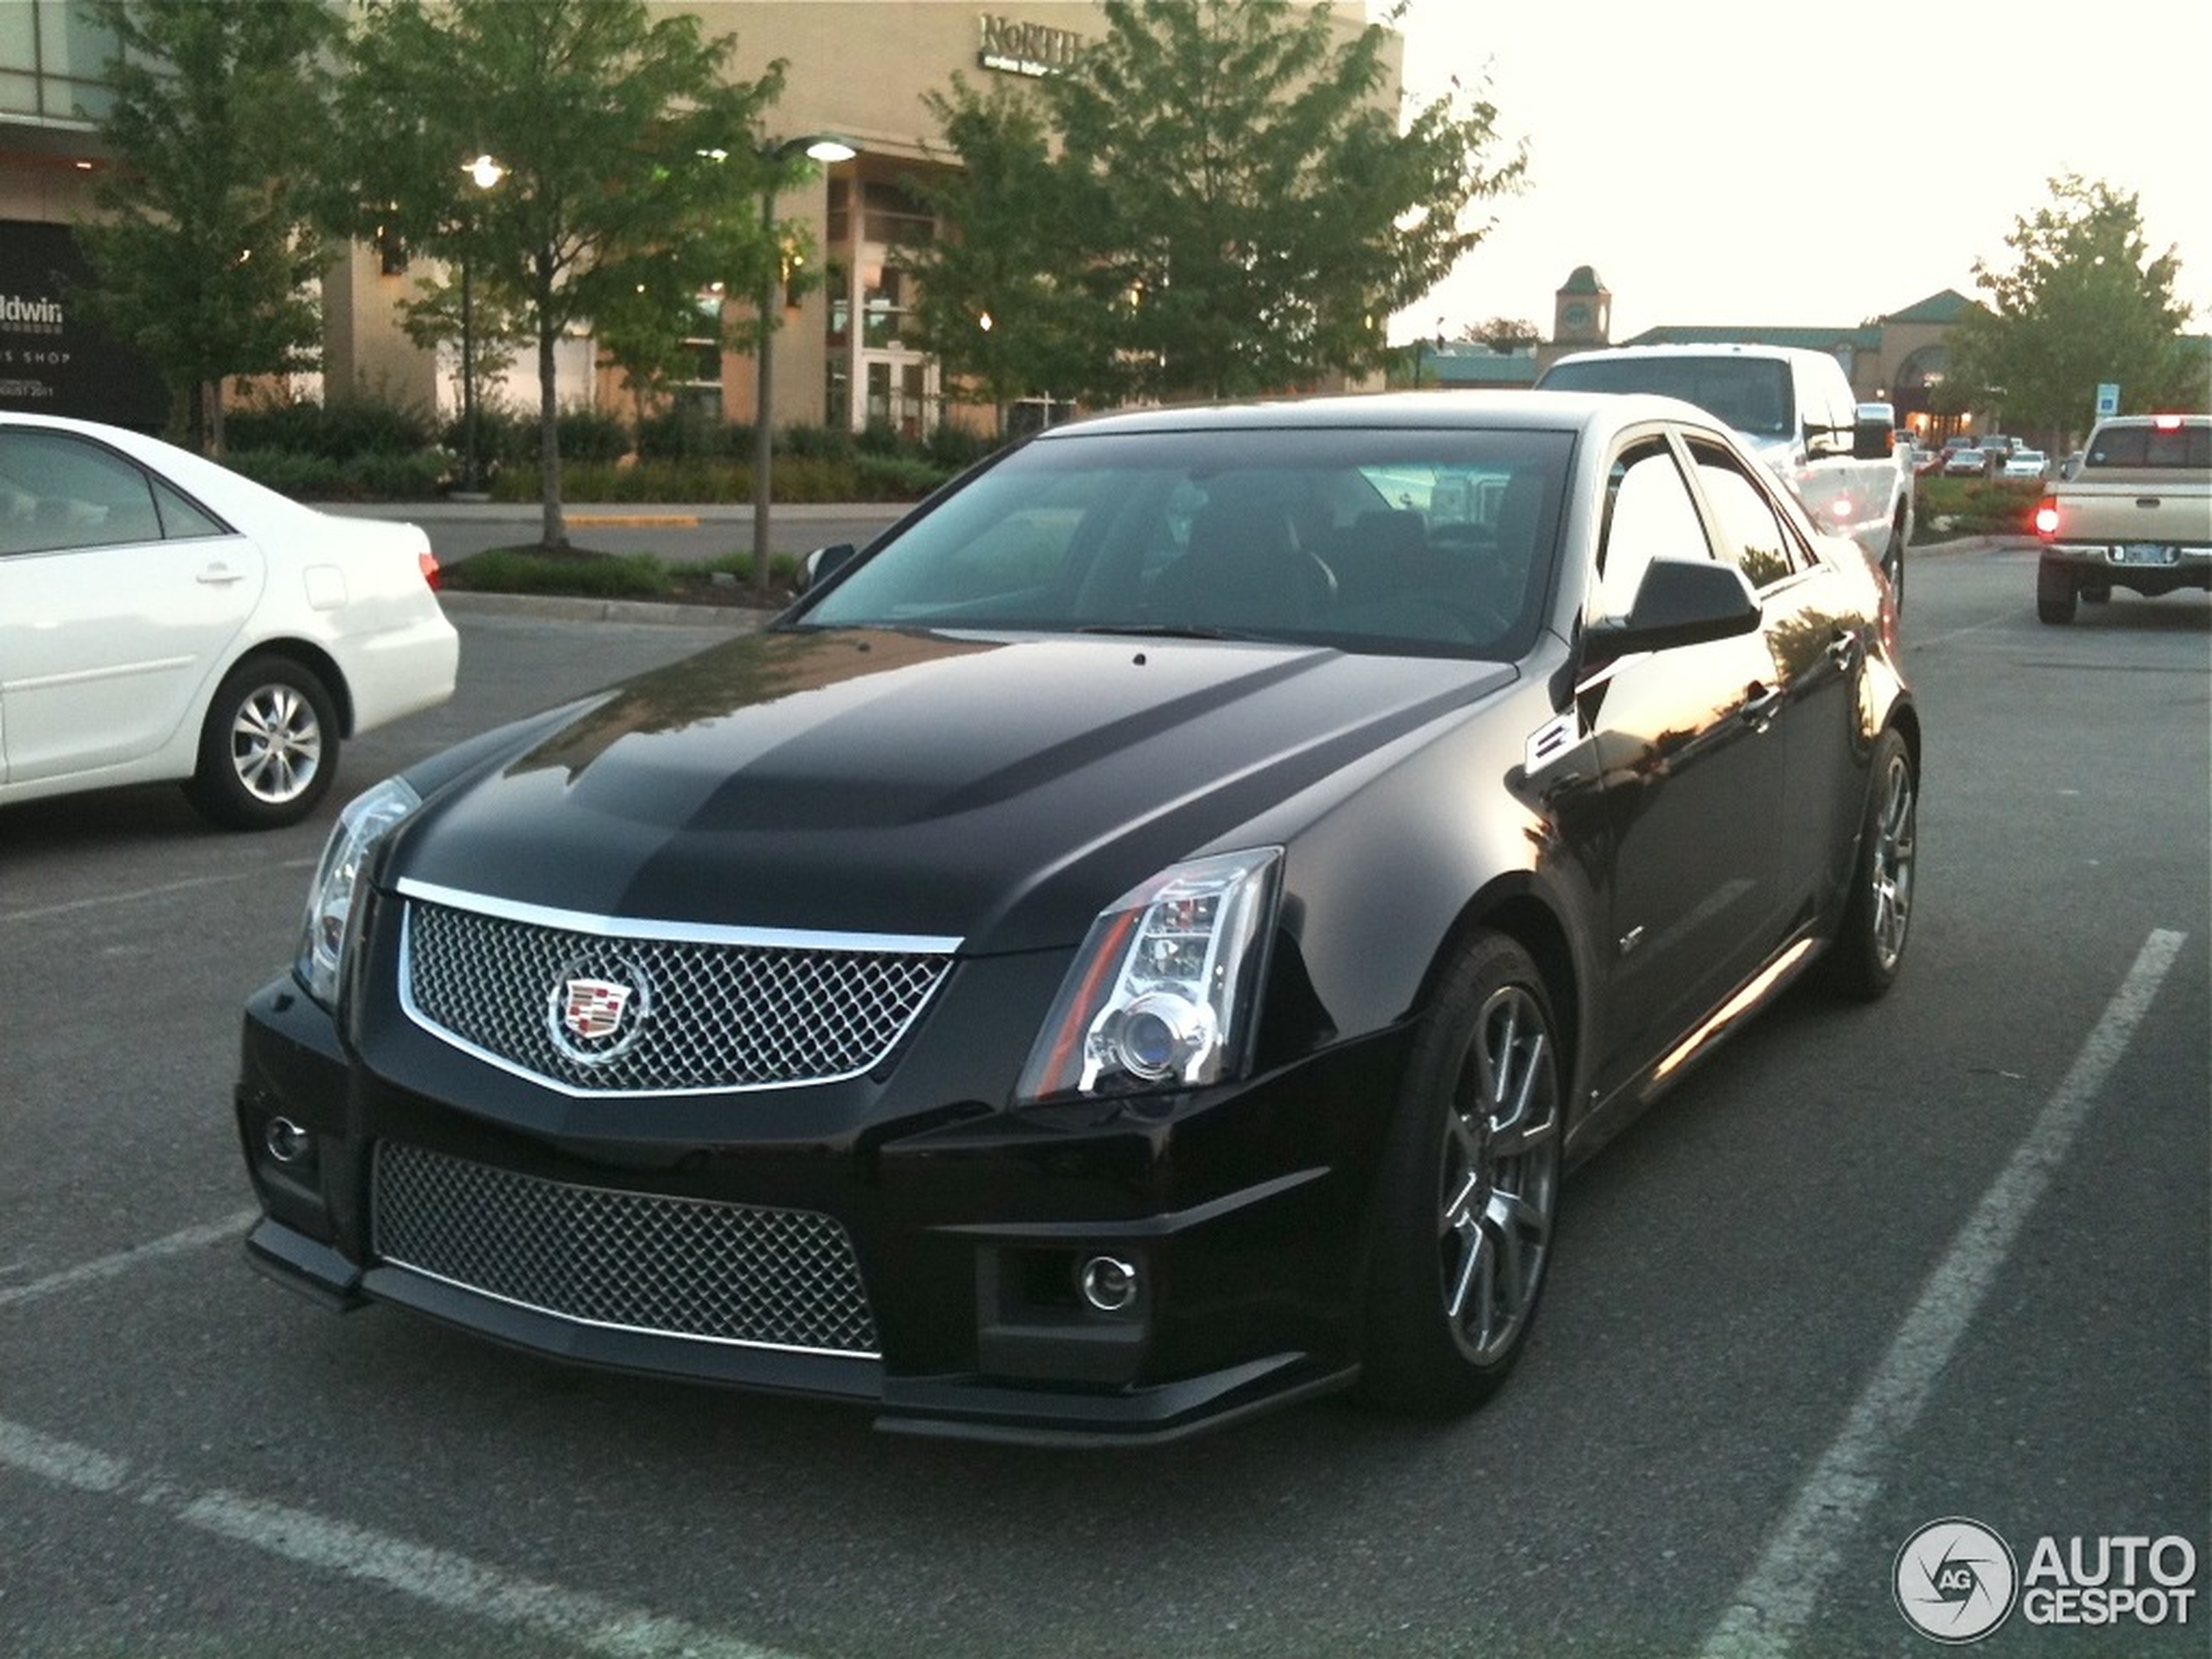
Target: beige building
857,69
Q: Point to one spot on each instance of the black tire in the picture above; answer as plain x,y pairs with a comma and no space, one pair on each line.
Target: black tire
2054,592
1869,949
268,749
1469,1188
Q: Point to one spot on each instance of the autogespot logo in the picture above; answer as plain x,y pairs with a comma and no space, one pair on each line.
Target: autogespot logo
1955,1580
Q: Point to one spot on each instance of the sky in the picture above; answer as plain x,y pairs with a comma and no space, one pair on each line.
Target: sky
1759,162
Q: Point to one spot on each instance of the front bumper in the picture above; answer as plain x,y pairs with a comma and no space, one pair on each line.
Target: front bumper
963,1231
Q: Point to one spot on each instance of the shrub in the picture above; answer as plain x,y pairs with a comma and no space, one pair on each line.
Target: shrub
956,448
599,576
880,438
337,431
1977,506
370,477
894,478
688,432
816,442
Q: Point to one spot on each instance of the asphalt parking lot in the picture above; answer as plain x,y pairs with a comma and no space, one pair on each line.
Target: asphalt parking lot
1948,1256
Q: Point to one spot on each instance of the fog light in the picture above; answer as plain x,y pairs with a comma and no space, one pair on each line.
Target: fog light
1109,1284
287,1141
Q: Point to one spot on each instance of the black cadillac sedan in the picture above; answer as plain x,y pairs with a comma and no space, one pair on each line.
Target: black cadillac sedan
1138,944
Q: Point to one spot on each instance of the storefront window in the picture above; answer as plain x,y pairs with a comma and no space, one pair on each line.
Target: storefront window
895,218
53,60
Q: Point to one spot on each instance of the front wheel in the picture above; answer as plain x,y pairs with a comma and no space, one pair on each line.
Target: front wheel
1469,1188
268,749
1869,950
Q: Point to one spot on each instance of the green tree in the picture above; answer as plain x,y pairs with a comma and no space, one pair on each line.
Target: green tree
1241,211
2083,302
1003,302
207,253
632,169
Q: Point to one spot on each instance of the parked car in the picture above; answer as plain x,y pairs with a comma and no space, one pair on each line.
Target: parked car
1964,462
1141,942
2136,514
2026,463
1795,409
162,618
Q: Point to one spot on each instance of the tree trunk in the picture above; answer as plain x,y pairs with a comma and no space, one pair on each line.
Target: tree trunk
212,393
555,533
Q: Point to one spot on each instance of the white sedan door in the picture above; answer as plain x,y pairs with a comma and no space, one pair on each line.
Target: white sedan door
118,600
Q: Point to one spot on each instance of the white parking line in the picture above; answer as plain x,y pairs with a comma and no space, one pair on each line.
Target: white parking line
111,901
123,1261
1775,1603
589,1623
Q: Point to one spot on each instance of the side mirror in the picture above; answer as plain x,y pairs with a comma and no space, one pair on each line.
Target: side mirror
1873,434
1680,602
824,563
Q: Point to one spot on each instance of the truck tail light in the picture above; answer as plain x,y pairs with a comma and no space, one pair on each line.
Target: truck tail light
428,563
2047,517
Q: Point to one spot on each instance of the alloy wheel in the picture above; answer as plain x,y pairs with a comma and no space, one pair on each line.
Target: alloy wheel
1889,865
276,743
1501,1176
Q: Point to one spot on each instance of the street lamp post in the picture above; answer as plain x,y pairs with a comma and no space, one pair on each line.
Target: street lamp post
485,172
819,147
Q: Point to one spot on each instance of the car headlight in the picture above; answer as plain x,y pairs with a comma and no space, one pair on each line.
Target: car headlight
369,817
1164,992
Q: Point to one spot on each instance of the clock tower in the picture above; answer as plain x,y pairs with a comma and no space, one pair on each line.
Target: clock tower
1583,312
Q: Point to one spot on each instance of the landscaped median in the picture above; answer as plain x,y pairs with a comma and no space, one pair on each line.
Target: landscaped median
580,573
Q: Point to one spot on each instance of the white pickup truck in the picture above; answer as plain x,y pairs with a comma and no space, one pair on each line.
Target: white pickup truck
2137,514
1794,408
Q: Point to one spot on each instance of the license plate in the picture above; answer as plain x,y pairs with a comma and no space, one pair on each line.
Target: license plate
2145,553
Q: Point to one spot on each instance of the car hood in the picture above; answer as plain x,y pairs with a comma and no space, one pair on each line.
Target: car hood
997,792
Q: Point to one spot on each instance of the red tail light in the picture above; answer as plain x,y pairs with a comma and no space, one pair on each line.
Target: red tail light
429,562
2047,517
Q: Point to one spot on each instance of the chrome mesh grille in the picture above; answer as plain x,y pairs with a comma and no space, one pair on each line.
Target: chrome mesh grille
683,1267
705,1015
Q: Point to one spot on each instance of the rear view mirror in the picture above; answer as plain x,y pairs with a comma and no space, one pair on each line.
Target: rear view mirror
822,563
1680,602
1874,432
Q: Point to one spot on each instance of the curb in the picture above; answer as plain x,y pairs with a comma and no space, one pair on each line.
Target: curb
737,619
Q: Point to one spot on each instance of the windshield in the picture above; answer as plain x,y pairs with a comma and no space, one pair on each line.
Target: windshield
1749,394
1370,540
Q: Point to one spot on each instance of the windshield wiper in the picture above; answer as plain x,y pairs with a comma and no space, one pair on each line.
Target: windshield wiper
1166,631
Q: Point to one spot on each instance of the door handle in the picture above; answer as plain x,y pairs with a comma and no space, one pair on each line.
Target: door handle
219,576
1761,703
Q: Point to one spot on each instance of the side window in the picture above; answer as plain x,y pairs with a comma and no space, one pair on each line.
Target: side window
1750,529
1648,515
1830,408
62,492
182,518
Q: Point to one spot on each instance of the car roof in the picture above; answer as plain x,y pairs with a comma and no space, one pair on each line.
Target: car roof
1411,411
1708,348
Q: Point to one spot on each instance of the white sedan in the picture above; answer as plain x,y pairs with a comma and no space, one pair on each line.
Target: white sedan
162,618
